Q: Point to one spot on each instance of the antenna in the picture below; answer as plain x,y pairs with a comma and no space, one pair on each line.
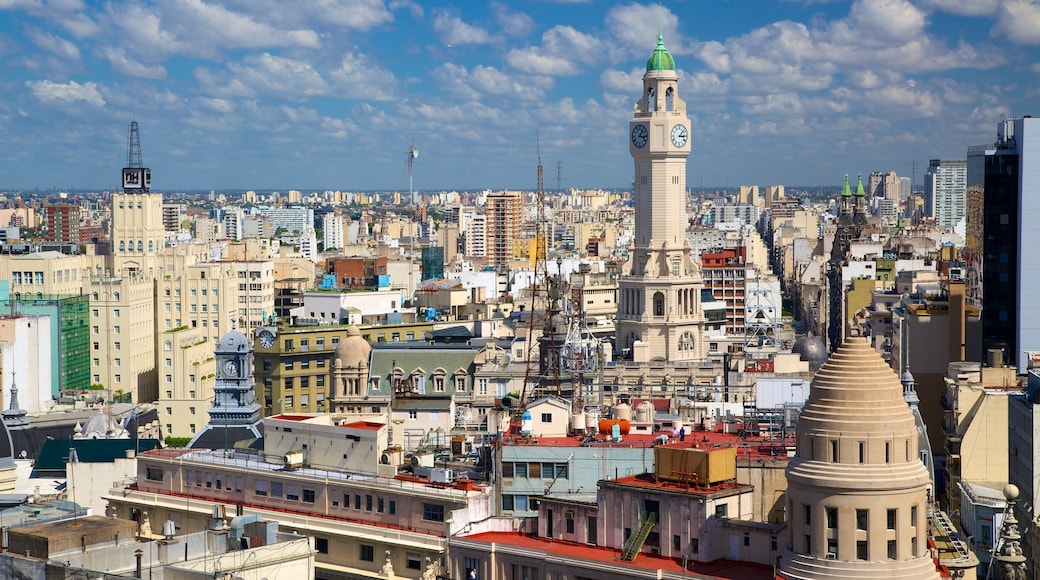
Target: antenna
136,177
133,147
538,149
413,154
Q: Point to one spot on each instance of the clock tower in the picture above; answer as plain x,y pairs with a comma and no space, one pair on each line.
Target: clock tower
659,295
235,413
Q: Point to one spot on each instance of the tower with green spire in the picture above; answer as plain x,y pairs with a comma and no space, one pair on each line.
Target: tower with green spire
659,312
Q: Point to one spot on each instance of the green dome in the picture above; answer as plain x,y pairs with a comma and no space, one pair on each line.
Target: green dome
846,191
660,59
859,185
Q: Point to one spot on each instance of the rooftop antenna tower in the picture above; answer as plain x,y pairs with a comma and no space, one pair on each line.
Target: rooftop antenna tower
136,177
413,154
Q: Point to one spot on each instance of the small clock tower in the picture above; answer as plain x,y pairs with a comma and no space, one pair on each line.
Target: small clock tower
659,306
235,413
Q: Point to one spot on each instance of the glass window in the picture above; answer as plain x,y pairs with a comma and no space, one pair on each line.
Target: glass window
434,512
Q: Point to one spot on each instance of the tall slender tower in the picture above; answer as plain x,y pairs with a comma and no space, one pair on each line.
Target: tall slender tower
659,296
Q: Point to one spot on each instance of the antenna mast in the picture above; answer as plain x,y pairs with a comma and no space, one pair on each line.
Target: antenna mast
413,154
136,177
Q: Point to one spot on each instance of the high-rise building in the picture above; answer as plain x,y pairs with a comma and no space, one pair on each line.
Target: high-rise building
502,211
945,190
857,491
61,223
1006,176
659,295
332,231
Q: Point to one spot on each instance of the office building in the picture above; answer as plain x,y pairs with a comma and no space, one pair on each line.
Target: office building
1006,176
946,190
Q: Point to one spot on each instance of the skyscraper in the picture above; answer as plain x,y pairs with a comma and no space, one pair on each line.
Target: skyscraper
1006,176
945,190
503,226
659,309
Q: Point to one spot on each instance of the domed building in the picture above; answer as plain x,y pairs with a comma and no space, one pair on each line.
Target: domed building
810,348
350,370
857,495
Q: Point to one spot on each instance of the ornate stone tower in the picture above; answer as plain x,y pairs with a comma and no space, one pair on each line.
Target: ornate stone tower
350,374
235,413
659,295
857,490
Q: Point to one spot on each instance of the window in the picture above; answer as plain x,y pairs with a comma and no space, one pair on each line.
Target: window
861,519
308,495
807,510
261,488
676,543
368,503
772,543
321,545
570,525
292,492
721,510
832,517
393,507
862,451
913,519
154,474
367,553
834,450
520,470
747,539
433,512
891,549
861,549
546,417
891,519
413,561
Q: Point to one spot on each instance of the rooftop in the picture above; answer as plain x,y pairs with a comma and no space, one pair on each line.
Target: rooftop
717,569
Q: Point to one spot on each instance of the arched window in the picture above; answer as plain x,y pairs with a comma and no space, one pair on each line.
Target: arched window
651,99
669,93
675,266
140,246
115,296
151,246
122,246
658,304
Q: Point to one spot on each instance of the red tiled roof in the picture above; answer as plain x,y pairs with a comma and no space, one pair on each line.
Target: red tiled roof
723,569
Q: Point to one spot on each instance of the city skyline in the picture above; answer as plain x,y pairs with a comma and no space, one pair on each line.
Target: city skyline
243,95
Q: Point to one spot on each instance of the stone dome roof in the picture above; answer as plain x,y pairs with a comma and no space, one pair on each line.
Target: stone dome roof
353,351
660,59
811,350
234,340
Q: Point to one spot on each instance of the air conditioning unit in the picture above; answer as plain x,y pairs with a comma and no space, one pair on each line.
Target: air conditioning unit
422,460
440,475
392,456
832,556
569,514
293,460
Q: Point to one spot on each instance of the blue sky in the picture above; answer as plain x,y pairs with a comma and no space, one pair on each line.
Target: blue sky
326,94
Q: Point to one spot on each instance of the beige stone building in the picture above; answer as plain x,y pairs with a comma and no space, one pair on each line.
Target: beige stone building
857,495
187,373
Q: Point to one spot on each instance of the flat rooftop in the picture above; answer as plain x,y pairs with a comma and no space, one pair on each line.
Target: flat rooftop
723,569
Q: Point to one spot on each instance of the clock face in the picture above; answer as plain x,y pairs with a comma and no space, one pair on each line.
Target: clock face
639,136
230,368
679,135
266,339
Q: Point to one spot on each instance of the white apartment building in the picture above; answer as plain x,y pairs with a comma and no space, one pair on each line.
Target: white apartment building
332,231
946,190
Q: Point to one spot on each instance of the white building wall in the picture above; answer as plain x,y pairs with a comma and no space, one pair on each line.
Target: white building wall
27,362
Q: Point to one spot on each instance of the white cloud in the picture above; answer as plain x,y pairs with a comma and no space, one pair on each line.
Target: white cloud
531,61
119,60
489,81
452,30
286,78
962,7
636,26
55,45
357,78
70,92
511,22
1019,21
623,82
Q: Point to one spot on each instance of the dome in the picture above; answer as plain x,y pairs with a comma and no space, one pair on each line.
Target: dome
353,351
660,59
811,350
234,340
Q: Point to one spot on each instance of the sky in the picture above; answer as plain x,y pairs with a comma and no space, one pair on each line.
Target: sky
330,94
